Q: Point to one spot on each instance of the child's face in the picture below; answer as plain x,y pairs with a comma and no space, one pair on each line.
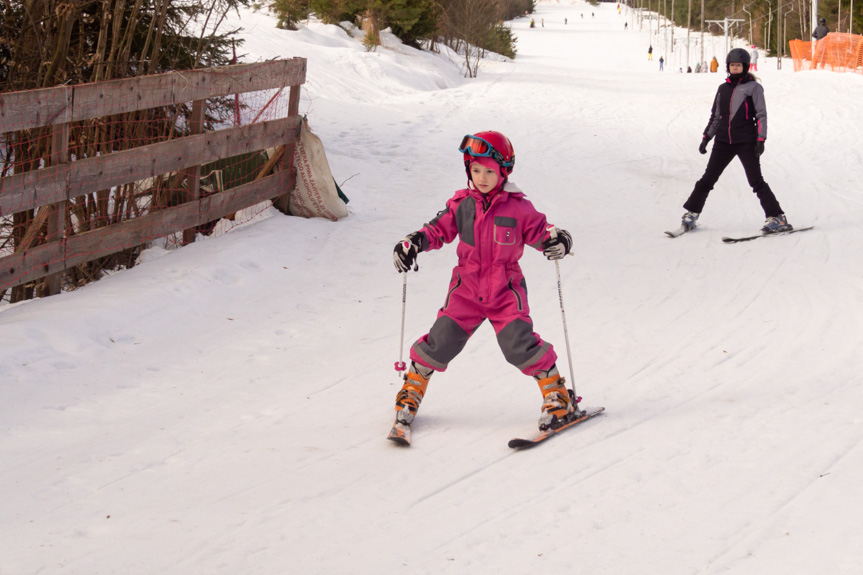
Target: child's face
735,68
485,179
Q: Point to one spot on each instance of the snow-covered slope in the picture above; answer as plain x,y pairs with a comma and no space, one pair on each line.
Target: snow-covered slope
223,408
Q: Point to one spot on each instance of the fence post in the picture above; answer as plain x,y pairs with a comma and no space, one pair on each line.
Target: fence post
287,161
57,212
193,175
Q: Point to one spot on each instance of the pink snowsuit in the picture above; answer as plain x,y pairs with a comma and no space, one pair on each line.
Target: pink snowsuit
487,283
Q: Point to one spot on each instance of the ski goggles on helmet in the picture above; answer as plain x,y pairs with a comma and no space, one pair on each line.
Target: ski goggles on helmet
479,148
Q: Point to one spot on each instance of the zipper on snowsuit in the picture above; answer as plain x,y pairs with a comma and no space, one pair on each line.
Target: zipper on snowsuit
730,104
516,294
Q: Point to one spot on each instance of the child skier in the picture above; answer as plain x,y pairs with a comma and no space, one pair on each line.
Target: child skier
493,222
738,120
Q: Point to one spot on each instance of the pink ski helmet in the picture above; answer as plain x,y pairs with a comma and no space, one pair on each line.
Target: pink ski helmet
489,144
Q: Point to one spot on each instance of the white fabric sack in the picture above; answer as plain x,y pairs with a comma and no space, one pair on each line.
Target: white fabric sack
315,195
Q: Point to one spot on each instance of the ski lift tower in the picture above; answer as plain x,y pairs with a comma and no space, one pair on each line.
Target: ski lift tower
726,23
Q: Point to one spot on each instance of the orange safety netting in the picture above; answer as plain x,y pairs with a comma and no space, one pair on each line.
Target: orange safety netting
836,52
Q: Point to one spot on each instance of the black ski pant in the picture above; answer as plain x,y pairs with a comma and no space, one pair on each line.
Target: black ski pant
720,157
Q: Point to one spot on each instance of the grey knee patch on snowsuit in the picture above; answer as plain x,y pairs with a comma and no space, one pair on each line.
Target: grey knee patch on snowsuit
446,339
519,345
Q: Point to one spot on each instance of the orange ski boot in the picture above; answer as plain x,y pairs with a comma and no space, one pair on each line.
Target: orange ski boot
557,404
408,402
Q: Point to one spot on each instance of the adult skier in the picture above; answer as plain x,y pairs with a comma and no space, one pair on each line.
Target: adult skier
738,121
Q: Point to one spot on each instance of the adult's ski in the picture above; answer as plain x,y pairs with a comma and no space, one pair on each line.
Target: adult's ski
763,235
519,443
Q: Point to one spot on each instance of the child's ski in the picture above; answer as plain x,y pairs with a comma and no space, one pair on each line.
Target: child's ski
678,232
749,238
519,443
400,433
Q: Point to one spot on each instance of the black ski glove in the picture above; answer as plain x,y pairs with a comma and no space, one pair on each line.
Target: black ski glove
759,148
405,252
703,147
558,245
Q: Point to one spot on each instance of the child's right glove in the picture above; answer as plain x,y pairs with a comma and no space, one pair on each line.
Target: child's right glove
703,147
405,252
558,245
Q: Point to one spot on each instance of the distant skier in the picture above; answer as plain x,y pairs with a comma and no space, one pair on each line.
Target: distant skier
738,120
661,62
650,53
714,65
754,54
494,222
821,30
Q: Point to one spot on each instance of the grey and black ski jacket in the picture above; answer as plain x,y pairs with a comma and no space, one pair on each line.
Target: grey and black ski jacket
739,112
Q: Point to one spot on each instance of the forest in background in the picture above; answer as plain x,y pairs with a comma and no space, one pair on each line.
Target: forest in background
764,23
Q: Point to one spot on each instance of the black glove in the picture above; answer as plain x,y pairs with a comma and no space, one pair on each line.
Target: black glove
759,147
405,252
558,245
703,147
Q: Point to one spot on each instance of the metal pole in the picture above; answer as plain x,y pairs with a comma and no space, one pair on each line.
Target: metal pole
813,24
688,27
814,15
778,37
565,331
400,364
769,22
703,61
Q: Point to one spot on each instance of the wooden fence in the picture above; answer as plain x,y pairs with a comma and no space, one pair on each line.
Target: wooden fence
49,188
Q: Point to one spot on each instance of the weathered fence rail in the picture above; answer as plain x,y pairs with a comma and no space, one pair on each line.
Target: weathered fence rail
50,188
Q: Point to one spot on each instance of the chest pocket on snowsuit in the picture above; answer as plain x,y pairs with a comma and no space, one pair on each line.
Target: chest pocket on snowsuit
504,231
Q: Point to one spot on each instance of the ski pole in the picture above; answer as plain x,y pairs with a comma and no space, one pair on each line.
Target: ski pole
565,331
400,364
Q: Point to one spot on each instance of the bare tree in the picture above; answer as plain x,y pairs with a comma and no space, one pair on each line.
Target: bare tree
466,26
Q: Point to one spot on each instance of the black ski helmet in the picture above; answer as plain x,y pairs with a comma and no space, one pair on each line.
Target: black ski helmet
822,21
737,56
